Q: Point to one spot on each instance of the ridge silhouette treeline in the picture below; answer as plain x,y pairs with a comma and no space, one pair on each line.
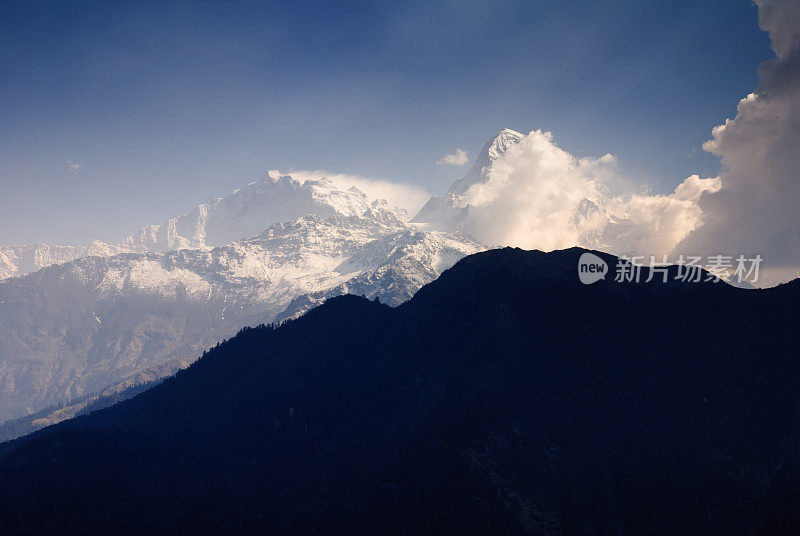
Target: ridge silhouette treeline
505,397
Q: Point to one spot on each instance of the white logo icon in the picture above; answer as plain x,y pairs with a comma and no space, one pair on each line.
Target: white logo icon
591,268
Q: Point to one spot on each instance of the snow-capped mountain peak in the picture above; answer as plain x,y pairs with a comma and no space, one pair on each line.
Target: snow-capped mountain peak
446,213
491,152
250,210
244,213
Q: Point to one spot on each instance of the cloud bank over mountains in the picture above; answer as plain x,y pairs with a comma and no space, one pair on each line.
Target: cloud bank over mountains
538,196
531,193
526,191
757,208
409,197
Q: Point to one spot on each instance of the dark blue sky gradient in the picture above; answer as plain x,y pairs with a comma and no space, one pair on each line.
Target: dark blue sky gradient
166,104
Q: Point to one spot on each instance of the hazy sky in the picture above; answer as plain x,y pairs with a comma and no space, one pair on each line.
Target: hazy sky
113,116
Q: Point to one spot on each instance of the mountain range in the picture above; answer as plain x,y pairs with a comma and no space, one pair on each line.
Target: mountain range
249,211
75,328
243,214
506,397
76,321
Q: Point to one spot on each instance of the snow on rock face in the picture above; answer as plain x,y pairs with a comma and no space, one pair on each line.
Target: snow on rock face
152,275
491,152
391,268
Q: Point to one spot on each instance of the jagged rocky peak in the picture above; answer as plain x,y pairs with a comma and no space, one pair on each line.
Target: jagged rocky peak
491,152
446,213
355,190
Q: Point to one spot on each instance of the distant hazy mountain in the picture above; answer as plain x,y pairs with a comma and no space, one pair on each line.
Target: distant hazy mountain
244,213
23,259
506,397
85,404
76,328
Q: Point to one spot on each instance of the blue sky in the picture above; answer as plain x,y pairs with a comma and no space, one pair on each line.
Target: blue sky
160,106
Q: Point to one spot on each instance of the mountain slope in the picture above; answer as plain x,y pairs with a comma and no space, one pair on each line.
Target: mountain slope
85,404
76,328
505,397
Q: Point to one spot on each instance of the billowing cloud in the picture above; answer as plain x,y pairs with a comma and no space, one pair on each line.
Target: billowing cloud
530,193
73,167
458,158
653,224
404,195
538,196
756,209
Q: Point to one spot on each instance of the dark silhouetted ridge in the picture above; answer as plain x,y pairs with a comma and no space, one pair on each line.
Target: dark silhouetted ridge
505,398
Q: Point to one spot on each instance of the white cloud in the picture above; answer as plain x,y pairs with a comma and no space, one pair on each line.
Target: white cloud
73,167
406,196
458,158
655,224
756,209
539,196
